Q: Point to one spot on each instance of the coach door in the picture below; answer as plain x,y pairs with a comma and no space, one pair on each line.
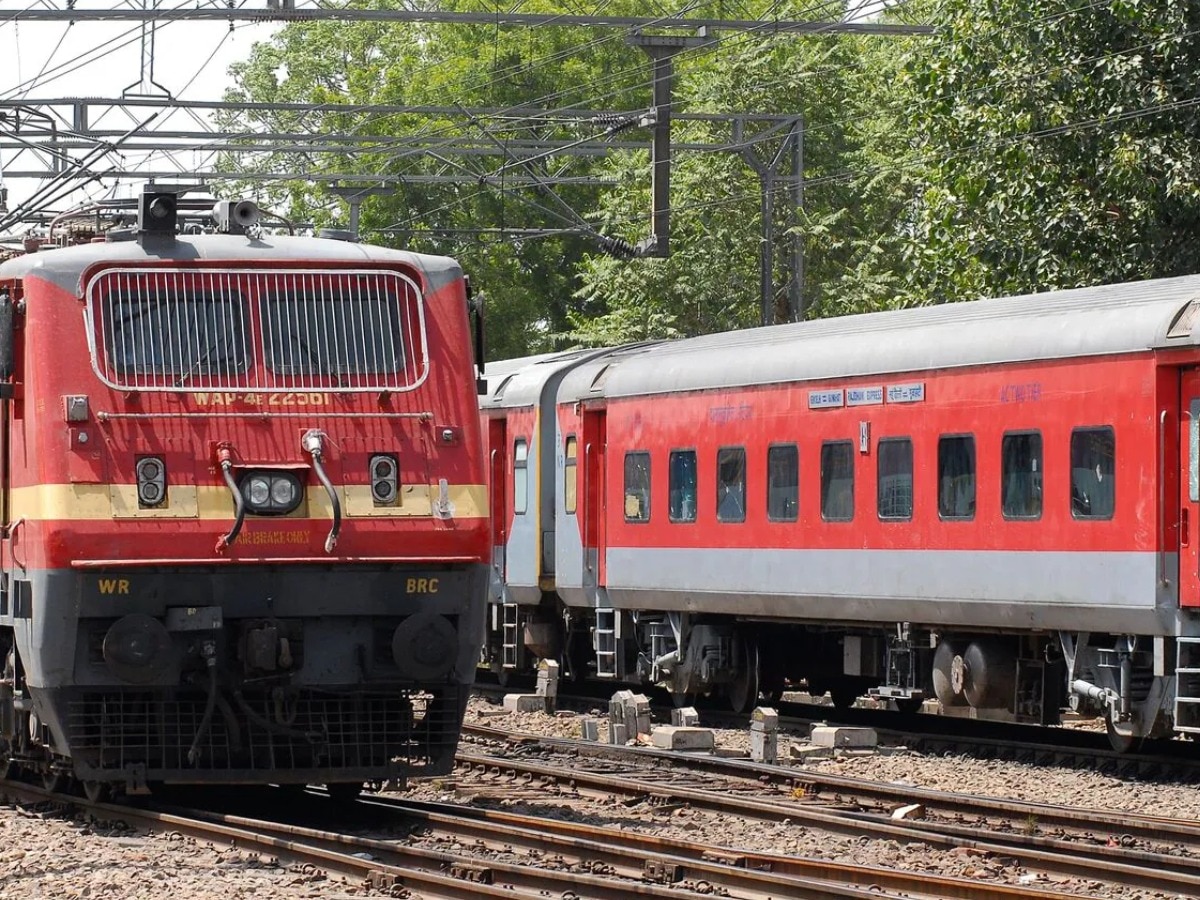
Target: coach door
1189,509
498,498
592,501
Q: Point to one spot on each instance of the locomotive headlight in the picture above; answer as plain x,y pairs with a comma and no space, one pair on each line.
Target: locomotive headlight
385,481
271,493
151,481
258,491
283,492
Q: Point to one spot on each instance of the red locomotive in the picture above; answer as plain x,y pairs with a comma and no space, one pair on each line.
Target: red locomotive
245,533
995,503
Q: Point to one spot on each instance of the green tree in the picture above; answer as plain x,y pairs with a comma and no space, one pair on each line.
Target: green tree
711,281
528,279
1055,145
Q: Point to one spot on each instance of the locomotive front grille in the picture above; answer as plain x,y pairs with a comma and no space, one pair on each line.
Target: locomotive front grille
371,734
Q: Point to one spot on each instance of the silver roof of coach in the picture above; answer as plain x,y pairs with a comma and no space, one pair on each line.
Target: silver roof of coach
520,382
1124,318
65,267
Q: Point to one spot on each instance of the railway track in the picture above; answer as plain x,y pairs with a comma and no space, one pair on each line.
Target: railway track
1069,748
521,857
1136,851
817,785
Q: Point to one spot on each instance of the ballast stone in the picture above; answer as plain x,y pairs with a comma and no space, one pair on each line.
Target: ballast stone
520,703
841,736
685,717
680,737
589,729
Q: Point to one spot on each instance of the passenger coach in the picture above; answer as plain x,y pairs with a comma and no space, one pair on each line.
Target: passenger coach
995,503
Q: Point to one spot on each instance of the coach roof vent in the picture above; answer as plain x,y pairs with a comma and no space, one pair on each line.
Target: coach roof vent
1186,320
601,377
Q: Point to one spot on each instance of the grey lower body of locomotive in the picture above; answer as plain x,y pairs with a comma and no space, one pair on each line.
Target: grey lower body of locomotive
255,674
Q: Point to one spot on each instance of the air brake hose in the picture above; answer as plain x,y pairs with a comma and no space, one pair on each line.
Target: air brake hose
312,443
239,505
210,706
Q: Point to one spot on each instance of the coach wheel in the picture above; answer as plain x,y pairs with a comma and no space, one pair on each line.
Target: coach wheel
96,791
743,690
1121,735
54,781
844,694
680,699
908,705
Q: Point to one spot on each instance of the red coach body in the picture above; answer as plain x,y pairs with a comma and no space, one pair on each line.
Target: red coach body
994,503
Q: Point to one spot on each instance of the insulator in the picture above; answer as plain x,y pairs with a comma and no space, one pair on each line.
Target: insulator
618,247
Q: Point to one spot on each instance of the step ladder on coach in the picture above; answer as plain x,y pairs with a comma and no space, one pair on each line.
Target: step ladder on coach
510,635
606,643
1187,685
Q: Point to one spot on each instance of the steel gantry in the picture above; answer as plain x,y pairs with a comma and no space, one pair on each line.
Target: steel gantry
148,134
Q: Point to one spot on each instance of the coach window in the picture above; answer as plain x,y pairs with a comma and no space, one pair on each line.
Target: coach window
731,484
1093,465
894,486
520,477
783,482
637,487
956,477
682,485
570,474
1021,476
837,481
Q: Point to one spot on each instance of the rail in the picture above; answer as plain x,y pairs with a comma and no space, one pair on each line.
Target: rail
605,869
1118,864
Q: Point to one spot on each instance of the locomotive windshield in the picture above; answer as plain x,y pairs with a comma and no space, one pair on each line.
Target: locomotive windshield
189,336
329,334
257,330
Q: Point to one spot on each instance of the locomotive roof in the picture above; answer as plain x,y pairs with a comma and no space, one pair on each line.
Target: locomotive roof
65,267
1121,318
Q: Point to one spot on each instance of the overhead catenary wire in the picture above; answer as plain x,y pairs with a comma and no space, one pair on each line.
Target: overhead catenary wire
1151,110
691,6
648,83
824,125
93,54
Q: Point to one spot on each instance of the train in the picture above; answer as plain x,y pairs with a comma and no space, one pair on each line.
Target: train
992,504
245,532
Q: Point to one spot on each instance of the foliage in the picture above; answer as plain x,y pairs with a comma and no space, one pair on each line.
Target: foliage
528,282
1028,145
711,282
1055,146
